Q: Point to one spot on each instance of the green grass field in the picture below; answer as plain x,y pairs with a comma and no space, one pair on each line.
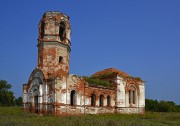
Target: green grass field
14,116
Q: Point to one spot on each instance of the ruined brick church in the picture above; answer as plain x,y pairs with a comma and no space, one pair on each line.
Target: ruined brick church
52,90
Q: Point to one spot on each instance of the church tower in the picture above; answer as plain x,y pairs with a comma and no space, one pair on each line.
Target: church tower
52,90
54,44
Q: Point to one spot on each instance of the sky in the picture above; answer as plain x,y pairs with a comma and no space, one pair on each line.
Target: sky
139,37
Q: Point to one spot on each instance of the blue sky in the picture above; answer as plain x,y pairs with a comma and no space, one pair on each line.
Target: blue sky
141,38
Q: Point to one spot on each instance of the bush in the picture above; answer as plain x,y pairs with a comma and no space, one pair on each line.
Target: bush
161,106
97,81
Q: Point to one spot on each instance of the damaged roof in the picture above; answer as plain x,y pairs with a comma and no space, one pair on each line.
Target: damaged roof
111,71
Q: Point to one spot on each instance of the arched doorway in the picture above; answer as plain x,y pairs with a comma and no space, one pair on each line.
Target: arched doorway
108,101
36,106
93,100
73,98
101,101
36,103
37,92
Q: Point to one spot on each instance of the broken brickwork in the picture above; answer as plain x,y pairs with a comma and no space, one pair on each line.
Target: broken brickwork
52,90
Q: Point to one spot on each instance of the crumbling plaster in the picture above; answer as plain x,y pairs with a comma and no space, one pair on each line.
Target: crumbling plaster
52,90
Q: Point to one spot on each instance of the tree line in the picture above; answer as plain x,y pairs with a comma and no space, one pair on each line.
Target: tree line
7,98
161,106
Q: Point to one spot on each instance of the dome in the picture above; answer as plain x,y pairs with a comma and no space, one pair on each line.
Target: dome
111,70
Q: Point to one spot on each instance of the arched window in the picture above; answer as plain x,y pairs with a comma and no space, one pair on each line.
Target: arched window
108,101
93,100
101,99
129,96
73,99
62,28
35,93
132,95
36,103
42,30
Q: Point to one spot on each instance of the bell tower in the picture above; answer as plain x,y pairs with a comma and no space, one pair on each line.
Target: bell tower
54,44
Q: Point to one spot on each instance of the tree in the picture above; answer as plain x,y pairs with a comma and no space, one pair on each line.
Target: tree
18,101
6,96
161,106
151,105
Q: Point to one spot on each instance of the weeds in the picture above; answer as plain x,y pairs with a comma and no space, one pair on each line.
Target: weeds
16,117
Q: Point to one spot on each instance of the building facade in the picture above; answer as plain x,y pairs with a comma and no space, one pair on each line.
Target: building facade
52,90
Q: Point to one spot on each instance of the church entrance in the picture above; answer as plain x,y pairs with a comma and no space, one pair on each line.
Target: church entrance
36,103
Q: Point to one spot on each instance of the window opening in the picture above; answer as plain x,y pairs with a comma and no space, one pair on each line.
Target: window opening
129,96
73,92
108,101
93,100
134,97
42,30
60,59
62,31
36,103
101,100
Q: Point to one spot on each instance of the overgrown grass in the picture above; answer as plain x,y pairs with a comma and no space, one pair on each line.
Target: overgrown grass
97,81
14,116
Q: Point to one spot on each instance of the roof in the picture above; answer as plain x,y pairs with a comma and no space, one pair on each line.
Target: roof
111,70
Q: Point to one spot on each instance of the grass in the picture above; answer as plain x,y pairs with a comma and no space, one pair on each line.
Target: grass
14,116
97,81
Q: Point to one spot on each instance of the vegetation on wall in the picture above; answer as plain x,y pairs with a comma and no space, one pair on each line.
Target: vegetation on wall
134,78
104,75
97,81
107,79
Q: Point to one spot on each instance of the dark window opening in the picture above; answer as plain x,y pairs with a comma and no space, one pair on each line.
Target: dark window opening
36,103
73,92
101,99
62,31
60,59
108,101
134,97
129,96
93,100
42,30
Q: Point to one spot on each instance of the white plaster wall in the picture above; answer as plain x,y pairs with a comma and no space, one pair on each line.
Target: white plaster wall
60,86
129,110
105,101
87,101
63,98
78,99
126,99
113,102
120,98
37,82
73,82
141,95
44,95
25,97
82,100
40,94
